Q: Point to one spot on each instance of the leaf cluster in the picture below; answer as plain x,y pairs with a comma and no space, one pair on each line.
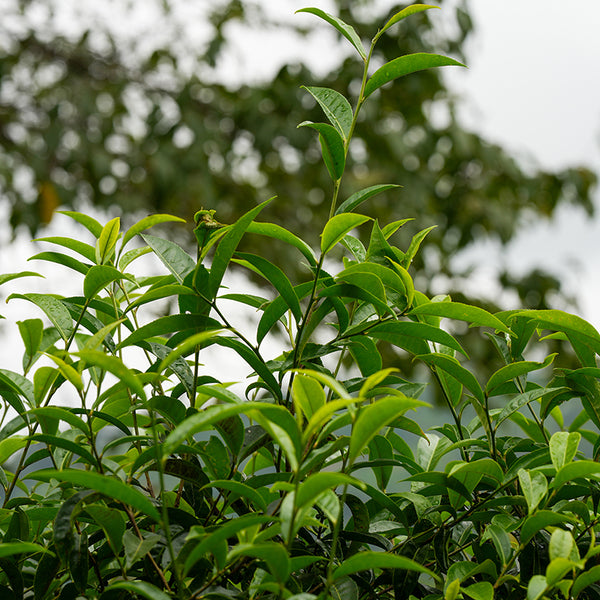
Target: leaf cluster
309,479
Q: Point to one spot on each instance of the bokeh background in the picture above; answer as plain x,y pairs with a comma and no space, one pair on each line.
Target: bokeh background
128,107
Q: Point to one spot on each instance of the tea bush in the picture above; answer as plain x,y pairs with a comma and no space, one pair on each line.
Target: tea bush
313,478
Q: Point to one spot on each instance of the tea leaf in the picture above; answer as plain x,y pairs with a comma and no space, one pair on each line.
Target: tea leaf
363,561
404,65
332,147
55,310
179,262
337,227
406,12
147,223
336,108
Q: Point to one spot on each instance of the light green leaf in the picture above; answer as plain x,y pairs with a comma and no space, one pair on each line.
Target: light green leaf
317,483
146,223
404,65
187,346
563,447
308,395
361,196
581,469
67,371
536,587
109,486
337,227
282,234
332,147
10,276
10,446
482,590
558,568
346,30
55,310
561,544
363,561
98,277
534,487
406,12
107,240
31,331
336,108
585,579
374,417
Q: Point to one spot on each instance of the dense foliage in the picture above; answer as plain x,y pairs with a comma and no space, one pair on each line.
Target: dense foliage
311,478
90,114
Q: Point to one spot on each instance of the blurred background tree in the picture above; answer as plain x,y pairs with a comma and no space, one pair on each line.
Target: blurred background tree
93,114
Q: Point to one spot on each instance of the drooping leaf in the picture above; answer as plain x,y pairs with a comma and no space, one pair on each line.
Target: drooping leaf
88,222
62,259
55,310
332,147
147,223
5,277
364,561
404,65
109,486
346,30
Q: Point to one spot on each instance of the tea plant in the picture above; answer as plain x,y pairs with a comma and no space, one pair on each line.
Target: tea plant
315,480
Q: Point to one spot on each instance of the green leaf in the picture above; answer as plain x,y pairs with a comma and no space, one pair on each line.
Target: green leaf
17,383
274,555
515,370
482,590
10,446
561,544
10,276
187,346
404,65
454,368
521,400
175,258
98,277
146,223
276,277
67,371
581,469
419,331
62,414
363,561
361,196
136,548
563,447
113,365
66,444
228,245
374,417
557,320
406,12
537,587
308,395
534,487
590,576
55,310
107,241
336,108
415,244
163,291
332,147
238,489
108,486
12,548
217,537
171,324
540,520
141,588
346,30
282,234
88,222
31,331
310,489
463,312
76,245
62,259
337,227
